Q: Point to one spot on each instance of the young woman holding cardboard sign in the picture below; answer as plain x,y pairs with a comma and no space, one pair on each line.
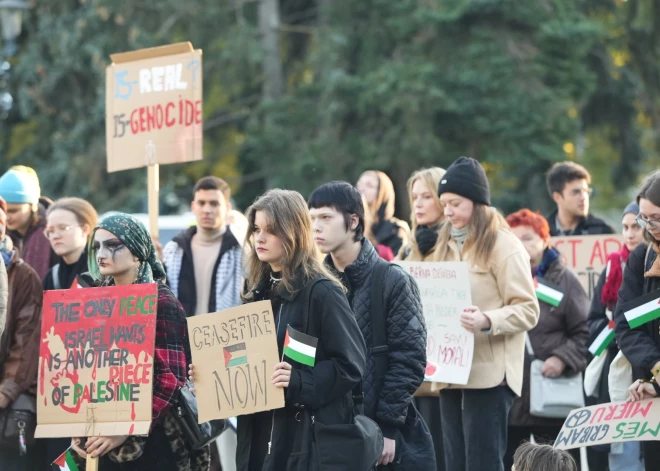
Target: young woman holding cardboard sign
284,267
121,252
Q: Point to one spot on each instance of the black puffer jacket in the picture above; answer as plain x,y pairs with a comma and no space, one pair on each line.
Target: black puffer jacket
388,402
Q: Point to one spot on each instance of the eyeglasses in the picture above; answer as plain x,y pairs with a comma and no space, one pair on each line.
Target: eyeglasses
50,231
653,224
578,191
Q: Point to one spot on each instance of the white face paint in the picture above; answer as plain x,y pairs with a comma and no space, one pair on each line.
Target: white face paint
113,256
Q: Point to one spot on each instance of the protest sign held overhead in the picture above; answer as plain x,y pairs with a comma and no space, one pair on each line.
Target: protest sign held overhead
587,256
96,361
611,423
154,107
445,291
234,353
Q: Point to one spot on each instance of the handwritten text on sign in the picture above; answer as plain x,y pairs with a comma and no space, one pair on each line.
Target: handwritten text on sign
96,361
611,423
587,256
154,110
234,353
445,292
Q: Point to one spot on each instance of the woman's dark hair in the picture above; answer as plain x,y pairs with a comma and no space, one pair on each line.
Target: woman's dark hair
531,457
650,190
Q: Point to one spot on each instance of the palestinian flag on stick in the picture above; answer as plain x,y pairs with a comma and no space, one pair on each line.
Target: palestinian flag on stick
643,309
547,292
300,347
603,340
65,462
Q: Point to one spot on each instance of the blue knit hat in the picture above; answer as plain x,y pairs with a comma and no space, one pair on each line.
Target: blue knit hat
20,186
631,208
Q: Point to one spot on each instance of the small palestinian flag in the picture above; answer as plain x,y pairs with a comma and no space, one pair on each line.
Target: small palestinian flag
300,347
603,340
643,309
65,462
235,355
547,292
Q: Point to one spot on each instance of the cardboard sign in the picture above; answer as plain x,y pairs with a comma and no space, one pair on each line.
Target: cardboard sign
587,256
96,361
154,107
234,352
445,291
611,423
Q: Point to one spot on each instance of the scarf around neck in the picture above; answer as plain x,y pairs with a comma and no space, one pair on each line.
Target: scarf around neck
426,238
460,236
550,255
137,240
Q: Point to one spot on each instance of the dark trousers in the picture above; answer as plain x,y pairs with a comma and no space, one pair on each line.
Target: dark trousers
474,426
651,451
429,409
543,435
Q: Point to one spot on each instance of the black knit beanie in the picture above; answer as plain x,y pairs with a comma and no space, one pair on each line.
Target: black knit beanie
466,177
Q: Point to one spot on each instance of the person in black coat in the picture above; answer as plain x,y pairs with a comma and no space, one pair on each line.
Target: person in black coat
283,267
338,222
624,455
641,276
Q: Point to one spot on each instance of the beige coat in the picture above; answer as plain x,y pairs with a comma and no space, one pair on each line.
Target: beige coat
504,291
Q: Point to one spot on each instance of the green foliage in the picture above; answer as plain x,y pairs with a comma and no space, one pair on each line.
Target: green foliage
394,85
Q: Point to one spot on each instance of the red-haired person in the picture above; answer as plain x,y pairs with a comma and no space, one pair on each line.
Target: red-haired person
560,337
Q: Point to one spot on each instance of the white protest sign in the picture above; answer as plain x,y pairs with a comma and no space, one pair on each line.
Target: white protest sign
445,291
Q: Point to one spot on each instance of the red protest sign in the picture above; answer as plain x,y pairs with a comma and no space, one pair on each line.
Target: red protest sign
96,361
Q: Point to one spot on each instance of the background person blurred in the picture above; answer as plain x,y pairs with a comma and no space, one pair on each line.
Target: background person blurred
19,347
26,217
379,192
626,455
560,337
427,217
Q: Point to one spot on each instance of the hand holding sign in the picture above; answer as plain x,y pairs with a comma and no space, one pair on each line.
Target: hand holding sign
473,320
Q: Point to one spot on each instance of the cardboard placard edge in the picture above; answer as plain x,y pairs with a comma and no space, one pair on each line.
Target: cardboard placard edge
82,429
151,52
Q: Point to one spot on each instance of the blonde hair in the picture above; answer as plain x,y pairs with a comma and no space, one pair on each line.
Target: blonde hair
385,197
288,219
82,209
431,177
483,229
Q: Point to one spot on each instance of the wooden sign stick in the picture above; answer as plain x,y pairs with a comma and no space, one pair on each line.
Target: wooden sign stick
92,464
153,188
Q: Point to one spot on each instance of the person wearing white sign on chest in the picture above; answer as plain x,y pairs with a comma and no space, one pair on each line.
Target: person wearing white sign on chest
475,415
162,79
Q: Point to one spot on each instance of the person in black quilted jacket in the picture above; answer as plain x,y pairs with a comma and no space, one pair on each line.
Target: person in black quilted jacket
338,223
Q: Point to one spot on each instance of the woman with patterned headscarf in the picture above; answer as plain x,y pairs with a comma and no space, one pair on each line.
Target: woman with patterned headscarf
121,252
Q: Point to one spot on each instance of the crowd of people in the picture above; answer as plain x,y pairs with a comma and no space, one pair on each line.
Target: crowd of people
324,264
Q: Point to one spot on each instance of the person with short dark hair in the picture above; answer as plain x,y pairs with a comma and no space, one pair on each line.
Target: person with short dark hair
531,457
338,222
205,262
568,185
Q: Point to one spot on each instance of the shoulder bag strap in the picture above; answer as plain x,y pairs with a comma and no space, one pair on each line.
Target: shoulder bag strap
56,276
648,258
379,347
528,343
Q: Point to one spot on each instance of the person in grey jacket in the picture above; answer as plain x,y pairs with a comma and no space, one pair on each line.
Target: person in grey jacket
4,287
